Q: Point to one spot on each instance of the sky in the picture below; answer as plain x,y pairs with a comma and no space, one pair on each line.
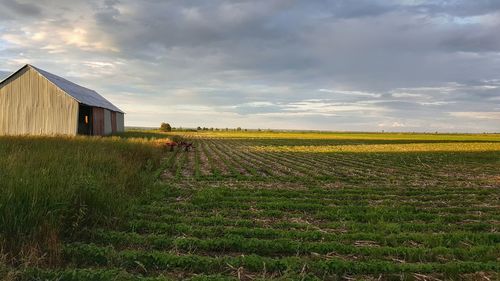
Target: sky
345,65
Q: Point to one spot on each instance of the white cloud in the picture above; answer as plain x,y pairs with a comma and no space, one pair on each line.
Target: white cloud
437,103
349,92
296,114
477,115
394,124
407,95
258,104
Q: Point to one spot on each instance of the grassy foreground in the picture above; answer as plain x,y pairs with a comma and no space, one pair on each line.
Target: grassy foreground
277,206
52,188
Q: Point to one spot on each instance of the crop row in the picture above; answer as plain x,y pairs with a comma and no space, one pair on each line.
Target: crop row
413,239
92,255
487,196
327,211
147,226
328,220
278,210
362,249
108,274
228,158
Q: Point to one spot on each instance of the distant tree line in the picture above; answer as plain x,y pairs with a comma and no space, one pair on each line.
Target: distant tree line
238,129
165,127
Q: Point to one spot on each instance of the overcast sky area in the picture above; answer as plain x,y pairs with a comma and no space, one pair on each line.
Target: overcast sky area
325,65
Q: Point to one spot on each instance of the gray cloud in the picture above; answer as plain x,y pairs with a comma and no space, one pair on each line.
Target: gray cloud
460,8
319,64
11,8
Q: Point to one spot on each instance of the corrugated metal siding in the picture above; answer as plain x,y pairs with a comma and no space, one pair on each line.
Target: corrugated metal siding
120,122
30,104
107,122
98,122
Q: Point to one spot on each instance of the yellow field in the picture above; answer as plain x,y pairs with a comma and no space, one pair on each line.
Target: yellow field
345,135
413,147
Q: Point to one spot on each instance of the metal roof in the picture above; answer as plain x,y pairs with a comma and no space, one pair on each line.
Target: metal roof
79,93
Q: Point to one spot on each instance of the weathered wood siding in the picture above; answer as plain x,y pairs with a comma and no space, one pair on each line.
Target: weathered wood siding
98,122
120,122
107,122
113,122
30,104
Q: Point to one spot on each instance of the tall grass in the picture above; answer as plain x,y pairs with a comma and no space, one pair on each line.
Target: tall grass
53,187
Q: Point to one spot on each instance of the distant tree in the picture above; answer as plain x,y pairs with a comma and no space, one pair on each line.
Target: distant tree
198,128
165,127
211,129
238,129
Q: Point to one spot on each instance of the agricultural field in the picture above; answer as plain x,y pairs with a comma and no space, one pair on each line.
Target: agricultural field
297,206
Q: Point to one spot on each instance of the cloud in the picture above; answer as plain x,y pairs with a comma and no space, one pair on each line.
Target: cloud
10,7
458,8
394,124
477,115
350,65
349,92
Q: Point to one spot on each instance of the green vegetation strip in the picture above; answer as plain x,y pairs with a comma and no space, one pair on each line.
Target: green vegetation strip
449,240
106,274
91,255
283,246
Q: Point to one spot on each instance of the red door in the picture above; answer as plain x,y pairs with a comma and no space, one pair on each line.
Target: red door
98,115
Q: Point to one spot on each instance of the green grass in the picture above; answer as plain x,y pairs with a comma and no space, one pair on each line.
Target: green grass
263,206
53,187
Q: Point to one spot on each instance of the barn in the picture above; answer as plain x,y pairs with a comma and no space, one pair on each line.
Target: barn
36,102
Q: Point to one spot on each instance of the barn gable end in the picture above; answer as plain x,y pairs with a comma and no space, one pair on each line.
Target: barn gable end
31,105
36,102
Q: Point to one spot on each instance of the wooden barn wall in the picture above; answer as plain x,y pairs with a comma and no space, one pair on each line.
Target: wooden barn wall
30,104
98,122
120,122
107,122
113,122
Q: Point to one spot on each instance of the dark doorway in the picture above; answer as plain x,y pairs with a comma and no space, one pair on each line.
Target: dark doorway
84,120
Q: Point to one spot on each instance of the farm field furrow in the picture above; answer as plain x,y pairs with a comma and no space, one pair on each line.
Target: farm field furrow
305,206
